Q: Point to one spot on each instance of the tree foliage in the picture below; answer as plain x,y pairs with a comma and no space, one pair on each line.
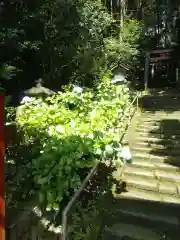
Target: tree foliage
69,41
161,18
60,41
125,47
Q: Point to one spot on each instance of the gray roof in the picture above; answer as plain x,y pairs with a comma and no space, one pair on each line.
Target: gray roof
39,90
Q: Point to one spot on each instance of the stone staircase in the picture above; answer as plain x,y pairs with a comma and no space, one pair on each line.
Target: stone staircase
148,208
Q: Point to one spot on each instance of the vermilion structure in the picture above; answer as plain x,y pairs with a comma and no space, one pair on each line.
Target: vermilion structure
2,201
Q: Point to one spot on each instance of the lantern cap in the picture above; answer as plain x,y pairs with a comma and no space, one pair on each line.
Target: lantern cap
39,90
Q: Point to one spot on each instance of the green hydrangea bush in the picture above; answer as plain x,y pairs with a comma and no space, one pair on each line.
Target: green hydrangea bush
74,131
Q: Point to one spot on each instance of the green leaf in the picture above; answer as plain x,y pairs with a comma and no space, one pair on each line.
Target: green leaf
55,206
41,197
98,151
67,168
42,181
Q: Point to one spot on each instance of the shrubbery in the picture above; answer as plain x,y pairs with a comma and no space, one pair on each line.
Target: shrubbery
73,131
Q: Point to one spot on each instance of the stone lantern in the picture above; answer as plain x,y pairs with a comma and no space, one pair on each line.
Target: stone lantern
39,90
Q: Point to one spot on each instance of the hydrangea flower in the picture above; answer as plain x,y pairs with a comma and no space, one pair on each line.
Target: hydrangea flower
26,99
77,89
125,154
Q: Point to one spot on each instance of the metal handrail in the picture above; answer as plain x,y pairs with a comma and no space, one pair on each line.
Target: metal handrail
91,173
135,99
76,195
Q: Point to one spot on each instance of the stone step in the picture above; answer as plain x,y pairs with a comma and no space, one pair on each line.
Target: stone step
151,184
152,120
144,156
154,99
159,103
146,181
157,152
150,129
142,208
145,113
140,156
149,125
155,140
157,174
159,125
158,130
156,211
122,231
151,116
165,121
167,136
159,116
147,214
159,112
168,146
173,106
141,194
155,165
155,144
148,144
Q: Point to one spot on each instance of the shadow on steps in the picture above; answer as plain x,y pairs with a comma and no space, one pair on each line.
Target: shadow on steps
161,100
169,138
167,125
148,218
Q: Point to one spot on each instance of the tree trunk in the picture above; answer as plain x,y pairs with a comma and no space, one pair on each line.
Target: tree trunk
139,10
122,14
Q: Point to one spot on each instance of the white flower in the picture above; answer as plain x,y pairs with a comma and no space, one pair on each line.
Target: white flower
54,229
26,99
72,123
45,222
125,154
48,208
57,230
93,112
91,135
77,89
51,130
37,211
60,129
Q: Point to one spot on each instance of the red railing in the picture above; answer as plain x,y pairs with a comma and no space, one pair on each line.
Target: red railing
2,202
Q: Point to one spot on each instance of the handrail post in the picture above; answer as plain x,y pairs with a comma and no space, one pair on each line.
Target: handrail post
64,224
146,70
